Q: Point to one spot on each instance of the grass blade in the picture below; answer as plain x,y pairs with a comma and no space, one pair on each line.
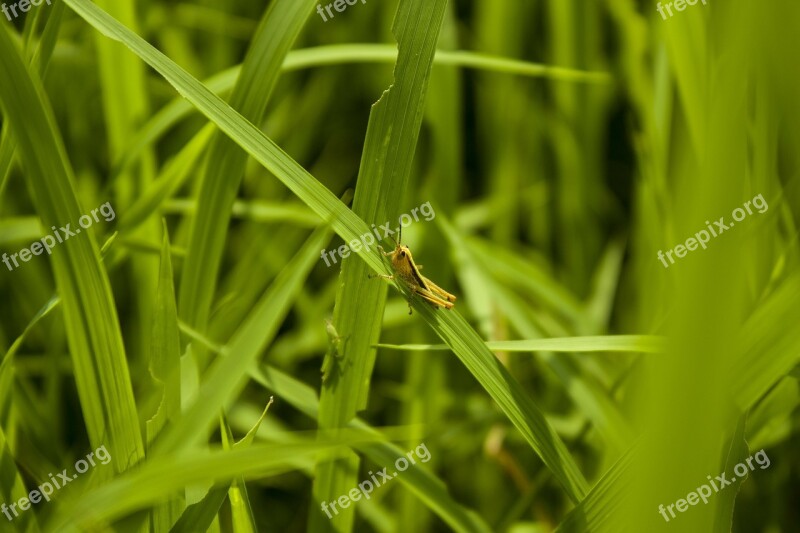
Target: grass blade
607,343
386,163
226,161
431,491
95,340
226,375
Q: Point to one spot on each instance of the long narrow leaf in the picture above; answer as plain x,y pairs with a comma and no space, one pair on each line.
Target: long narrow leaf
95,340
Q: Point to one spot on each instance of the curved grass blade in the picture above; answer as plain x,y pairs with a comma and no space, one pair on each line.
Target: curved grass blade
199,516
241,511
595,512
451,327
164,364
253,140
40,62
343,54
45,310
769,350
430,490
338,54
226,161
227,374
94,337
607,343
256,211
383,177
159,478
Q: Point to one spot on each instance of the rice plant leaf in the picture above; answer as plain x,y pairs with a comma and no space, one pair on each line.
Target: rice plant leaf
430,490
19,229
226,161
588,395
594,513
48,38
200,515
736,453
40,62
165,350
337,54
265,151
223,82
530,277
255,210
241,514
12,484
770,422
93,333
44,311
160,477
12,488
165,371
512,399
452,328
227,375
248,439
600,303
241,511
386,163
688,41
124,95
607,343
6,388
769,350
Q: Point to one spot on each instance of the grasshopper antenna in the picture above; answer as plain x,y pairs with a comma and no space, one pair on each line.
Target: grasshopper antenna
397,242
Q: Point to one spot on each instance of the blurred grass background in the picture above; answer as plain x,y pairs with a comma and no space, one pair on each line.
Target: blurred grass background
562,144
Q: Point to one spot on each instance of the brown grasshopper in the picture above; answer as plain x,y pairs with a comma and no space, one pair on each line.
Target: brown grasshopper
409,273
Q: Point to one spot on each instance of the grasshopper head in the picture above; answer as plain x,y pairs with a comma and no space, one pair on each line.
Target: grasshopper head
402,260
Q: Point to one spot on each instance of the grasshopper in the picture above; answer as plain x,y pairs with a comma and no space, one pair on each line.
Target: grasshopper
335,345
409,273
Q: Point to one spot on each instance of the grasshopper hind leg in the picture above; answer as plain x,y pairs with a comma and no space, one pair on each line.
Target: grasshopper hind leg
433,299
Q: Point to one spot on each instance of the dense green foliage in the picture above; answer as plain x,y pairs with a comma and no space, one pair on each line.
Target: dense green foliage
193,201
